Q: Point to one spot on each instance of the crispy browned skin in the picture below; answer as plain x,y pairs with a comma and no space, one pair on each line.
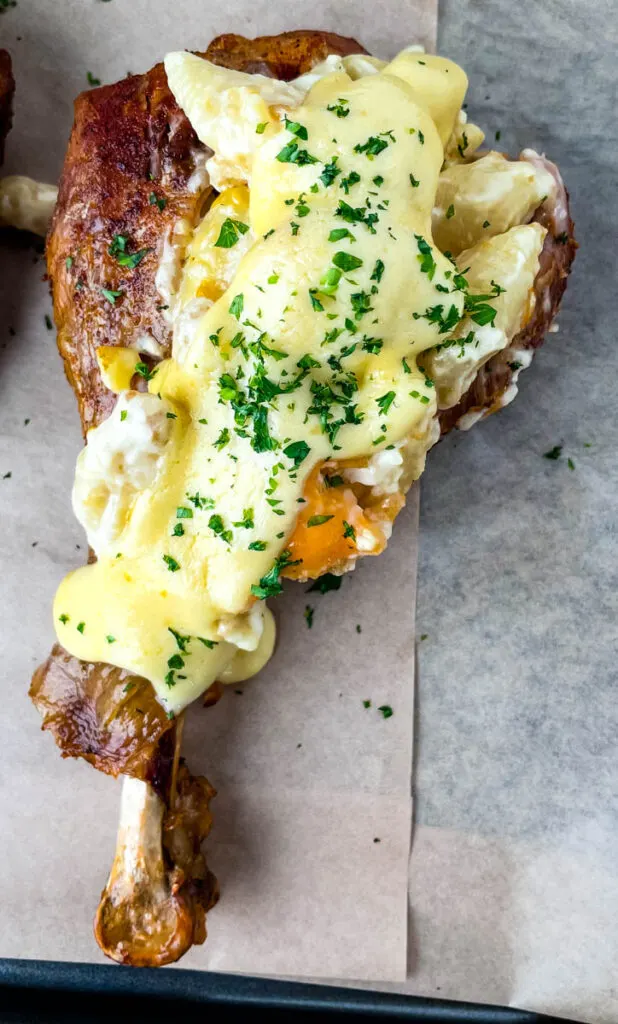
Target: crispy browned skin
129,141
7,89
103,714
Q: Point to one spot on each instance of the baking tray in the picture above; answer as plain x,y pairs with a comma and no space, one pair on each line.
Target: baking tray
46,991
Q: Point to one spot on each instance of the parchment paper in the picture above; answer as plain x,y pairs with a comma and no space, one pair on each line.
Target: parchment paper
513,893
313,817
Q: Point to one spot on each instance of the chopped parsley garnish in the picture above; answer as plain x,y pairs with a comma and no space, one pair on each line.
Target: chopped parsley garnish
80,627
181,640
318,520
64,619
387,711
498,134
356,215
171,563
341,108
553,453
463,145
421,137
154,200
372,147
216,525
230,232
366,703
426,260
118,249
378,270
258,545
406,368
178,531
372,345
292,154
237,305
48,322
315,302
309,616
182,512
297,451
296,129
111,295
329,281
349,181
68,262
385,402
450,212
144,371
325,583
273,279
346,262
414,181
92,80
570,464
378,180
435,315
110,639
330,172
270,584
360,304
562,238
334,481
210,644
486,224
348,530
223,439
338,233
247,521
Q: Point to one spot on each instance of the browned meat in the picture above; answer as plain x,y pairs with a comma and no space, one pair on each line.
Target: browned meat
105,715
7,89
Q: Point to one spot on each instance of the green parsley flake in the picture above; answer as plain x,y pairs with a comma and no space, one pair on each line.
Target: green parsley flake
348,530
553,453
118,249
80,627
154,200
318,520
426,260
230,232
92,80
341,108
346,262
258,545
450,212
237,305
110,639
387,711
297,451
414,181
309,616
261,128
372,147
366,703
171,563
111,295
64,619
292,154
325,583
378,270
385,402
144,371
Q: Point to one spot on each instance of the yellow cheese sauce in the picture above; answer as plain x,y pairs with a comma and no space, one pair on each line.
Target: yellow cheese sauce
311,353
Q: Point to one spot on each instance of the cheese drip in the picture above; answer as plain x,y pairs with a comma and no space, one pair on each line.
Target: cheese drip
310,353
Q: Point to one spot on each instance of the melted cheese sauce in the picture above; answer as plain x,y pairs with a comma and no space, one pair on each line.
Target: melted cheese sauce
191,493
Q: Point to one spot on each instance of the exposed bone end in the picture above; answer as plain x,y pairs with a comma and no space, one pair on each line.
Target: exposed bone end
159,889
